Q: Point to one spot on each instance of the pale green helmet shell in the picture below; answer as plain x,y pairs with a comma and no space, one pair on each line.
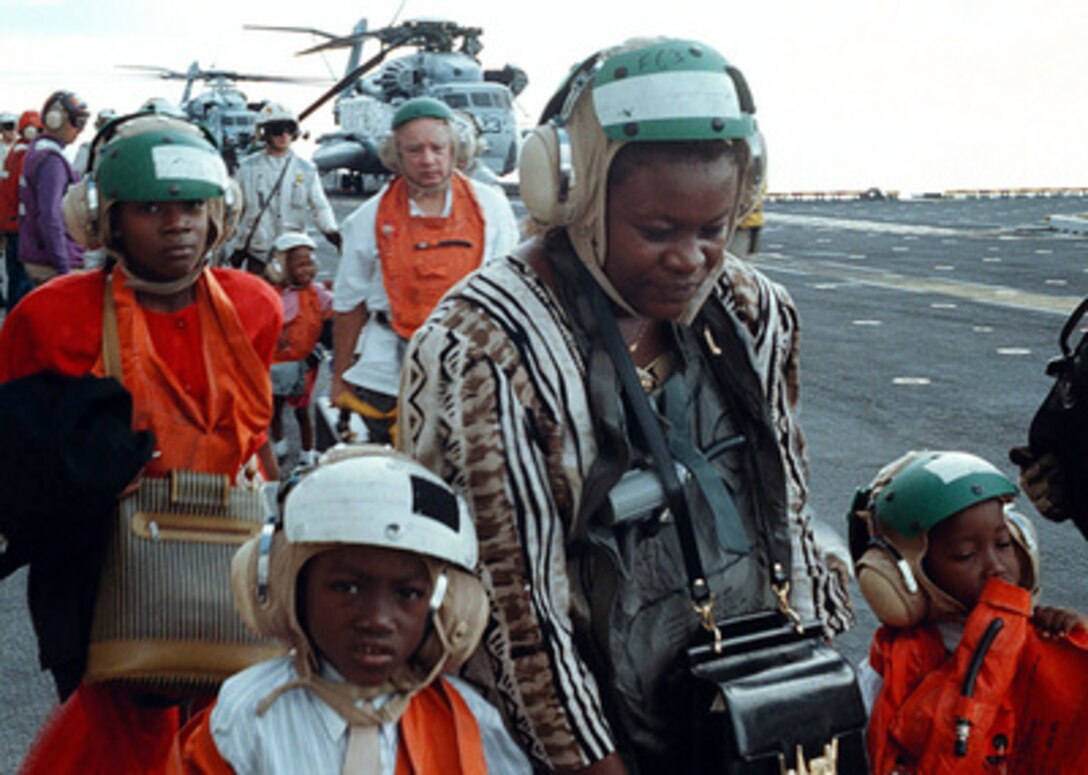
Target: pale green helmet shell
672,90
936,486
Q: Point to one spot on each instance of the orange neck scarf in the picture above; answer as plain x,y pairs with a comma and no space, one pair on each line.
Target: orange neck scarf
216,434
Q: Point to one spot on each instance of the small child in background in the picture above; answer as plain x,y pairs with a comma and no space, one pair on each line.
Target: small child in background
369,580
966,674
306,307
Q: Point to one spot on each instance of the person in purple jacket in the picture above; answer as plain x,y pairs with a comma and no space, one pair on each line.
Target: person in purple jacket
45,247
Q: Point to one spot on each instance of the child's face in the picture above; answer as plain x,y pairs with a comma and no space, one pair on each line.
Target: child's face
301,267
366,609
163,240
969,548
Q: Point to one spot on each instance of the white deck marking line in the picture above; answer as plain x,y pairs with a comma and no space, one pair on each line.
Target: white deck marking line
996,295
872,226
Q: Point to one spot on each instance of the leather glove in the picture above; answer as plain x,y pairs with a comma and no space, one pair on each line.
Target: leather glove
1044,481
336,240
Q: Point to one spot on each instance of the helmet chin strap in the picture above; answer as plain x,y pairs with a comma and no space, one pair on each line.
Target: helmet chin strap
159,287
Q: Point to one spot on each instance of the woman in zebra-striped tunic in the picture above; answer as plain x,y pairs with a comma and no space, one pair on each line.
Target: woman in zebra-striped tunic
507,394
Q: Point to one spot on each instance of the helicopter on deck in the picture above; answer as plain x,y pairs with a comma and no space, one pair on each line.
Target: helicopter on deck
444,65
222,107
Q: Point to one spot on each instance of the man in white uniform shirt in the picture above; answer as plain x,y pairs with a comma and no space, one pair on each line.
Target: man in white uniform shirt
404,248
278,190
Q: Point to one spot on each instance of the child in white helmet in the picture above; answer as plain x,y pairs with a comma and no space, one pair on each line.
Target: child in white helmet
306,307
966,671
368,579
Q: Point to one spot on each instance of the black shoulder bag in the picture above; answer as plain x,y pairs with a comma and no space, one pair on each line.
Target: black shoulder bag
1060,428
760,693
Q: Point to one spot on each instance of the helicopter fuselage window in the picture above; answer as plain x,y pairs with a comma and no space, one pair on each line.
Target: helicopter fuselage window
481,100
456,101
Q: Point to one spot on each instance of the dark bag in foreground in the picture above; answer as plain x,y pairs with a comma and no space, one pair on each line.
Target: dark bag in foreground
770,699
165,618
1060,429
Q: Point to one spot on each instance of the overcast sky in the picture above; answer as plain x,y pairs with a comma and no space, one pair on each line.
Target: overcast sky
917,96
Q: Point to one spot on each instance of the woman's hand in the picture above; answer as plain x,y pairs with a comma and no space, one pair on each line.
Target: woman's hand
1054,622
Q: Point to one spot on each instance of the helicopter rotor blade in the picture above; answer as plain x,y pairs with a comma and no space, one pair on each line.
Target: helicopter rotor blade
278,28
256,78
153,71
196,74
340,85
337,42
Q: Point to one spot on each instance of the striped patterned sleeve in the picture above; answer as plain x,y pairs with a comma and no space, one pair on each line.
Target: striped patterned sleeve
492,401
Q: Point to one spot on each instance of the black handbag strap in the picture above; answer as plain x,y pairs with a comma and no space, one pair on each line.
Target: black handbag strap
1070,325
654,438
655,443
727,523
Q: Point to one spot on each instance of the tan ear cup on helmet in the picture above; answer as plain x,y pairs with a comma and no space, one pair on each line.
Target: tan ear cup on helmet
460,621
275,271
1027,544
545,178
890,588
79,218
263,611
227,221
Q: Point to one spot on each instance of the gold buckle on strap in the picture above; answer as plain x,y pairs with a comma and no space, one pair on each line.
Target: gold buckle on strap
705,612
782,594
827,764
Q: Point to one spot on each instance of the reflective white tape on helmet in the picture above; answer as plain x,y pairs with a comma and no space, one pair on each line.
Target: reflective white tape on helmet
666,96
178,162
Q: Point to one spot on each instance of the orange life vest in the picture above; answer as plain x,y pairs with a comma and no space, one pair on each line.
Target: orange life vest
1028,712
423,257
438,735
217,434
301,333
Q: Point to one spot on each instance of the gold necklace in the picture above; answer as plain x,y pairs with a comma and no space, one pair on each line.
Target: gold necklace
633,347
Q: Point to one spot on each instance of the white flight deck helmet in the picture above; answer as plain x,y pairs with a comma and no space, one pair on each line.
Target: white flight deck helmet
276,271
369,495
274,113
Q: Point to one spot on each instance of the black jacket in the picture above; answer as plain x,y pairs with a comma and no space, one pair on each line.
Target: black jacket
67,449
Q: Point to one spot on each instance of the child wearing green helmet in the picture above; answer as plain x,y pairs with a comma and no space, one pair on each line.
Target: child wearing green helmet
192,345
966,668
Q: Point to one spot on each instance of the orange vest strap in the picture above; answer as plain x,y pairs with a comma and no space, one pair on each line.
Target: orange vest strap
301,334
194,751
439,734
423,257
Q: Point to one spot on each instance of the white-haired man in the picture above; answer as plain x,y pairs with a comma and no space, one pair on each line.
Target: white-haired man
404,248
